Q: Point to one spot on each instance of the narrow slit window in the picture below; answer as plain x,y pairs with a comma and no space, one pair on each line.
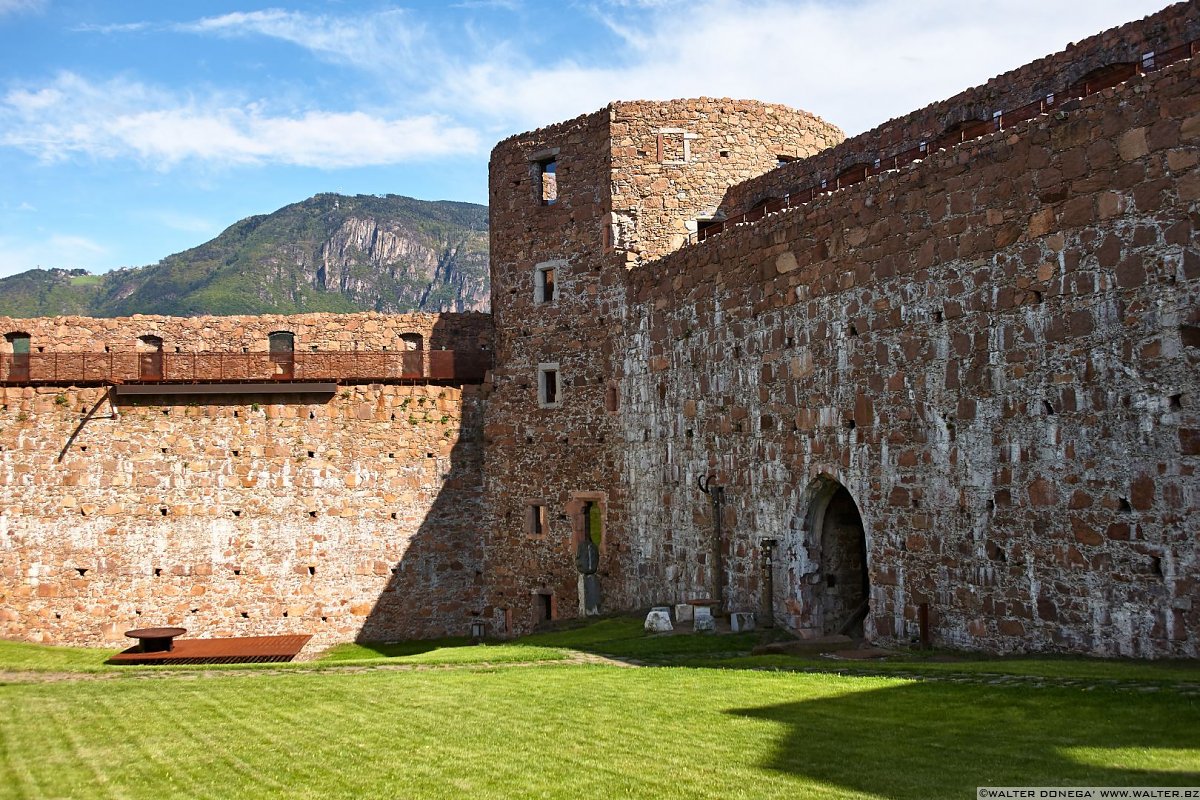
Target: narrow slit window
549,389
548,181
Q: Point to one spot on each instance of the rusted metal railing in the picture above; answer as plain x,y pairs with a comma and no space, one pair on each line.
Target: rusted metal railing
1098,80
66,368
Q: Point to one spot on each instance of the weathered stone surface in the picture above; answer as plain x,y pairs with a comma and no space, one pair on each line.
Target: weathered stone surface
963,343
659,620
704,621
348,516
991,351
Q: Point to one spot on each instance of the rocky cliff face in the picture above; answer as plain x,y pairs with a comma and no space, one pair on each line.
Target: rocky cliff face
328,253
447,272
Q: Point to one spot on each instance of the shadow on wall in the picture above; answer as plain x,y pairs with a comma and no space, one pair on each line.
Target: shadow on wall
436,588
950,742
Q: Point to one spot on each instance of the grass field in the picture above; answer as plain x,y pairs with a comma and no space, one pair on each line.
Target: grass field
490,723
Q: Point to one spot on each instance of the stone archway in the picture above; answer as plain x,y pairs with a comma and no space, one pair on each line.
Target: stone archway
838,544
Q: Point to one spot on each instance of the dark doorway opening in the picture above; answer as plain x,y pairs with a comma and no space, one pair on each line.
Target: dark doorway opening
844,589
544,607
150,358
282,346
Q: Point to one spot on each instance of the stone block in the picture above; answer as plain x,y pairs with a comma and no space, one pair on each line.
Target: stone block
741,621
659,620
704,621
684,612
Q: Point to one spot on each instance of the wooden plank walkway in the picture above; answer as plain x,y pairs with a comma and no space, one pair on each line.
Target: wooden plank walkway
236,650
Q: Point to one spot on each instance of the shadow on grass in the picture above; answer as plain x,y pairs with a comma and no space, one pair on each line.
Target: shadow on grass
623,637
362,650
923,740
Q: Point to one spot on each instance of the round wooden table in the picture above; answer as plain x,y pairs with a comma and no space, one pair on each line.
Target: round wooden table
155,640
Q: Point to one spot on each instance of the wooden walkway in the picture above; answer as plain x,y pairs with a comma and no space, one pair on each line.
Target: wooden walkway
237,650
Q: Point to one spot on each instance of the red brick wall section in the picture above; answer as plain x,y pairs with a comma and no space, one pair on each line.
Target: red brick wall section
338,517
365,331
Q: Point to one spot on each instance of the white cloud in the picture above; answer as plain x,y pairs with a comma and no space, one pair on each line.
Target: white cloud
59,250
20,6
385,41
123,27
74,117
855,64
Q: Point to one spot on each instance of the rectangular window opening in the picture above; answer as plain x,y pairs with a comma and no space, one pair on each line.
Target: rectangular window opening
548,386
545,607
535,519
546,284
548,181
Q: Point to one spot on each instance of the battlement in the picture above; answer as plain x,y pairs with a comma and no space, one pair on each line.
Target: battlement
1047,85
339,348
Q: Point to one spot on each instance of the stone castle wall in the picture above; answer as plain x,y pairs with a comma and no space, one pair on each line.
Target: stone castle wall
989,349
326,332
1051,75
349,515
983,364
995,351
630,180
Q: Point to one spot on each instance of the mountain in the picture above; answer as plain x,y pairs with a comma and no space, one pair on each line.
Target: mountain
328,253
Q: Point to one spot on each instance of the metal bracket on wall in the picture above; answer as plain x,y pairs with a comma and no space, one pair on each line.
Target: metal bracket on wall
87,418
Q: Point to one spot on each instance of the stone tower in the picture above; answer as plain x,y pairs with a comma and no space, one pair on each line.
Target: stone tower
574,207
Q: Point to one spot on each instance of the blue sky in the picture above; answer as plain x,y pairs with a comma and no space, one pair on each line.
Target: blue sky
133,129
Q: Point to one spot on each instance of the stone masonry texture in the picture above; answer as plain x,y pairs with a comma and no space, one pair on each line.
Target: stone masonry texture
964,390
346,516
992,349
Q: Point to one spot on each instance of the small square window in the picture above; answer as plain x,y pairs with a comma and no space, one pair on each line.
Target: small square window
545,281
549,389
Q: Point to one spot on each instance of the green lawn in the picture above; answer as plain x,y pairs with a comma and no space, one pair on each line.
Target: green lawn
21,656
484,727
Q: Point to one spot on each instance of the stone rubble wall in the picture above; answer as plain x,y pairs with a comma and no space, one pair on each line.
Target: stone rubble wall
994,350
656,204
617,205
356,515
361,331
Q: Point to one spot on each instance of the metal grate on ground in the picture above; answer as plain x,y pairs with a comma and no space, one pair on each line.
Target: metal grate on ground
236,650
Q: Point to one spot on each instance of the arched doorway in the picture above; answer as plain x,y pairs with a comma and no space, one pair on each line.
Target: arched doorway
841,592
